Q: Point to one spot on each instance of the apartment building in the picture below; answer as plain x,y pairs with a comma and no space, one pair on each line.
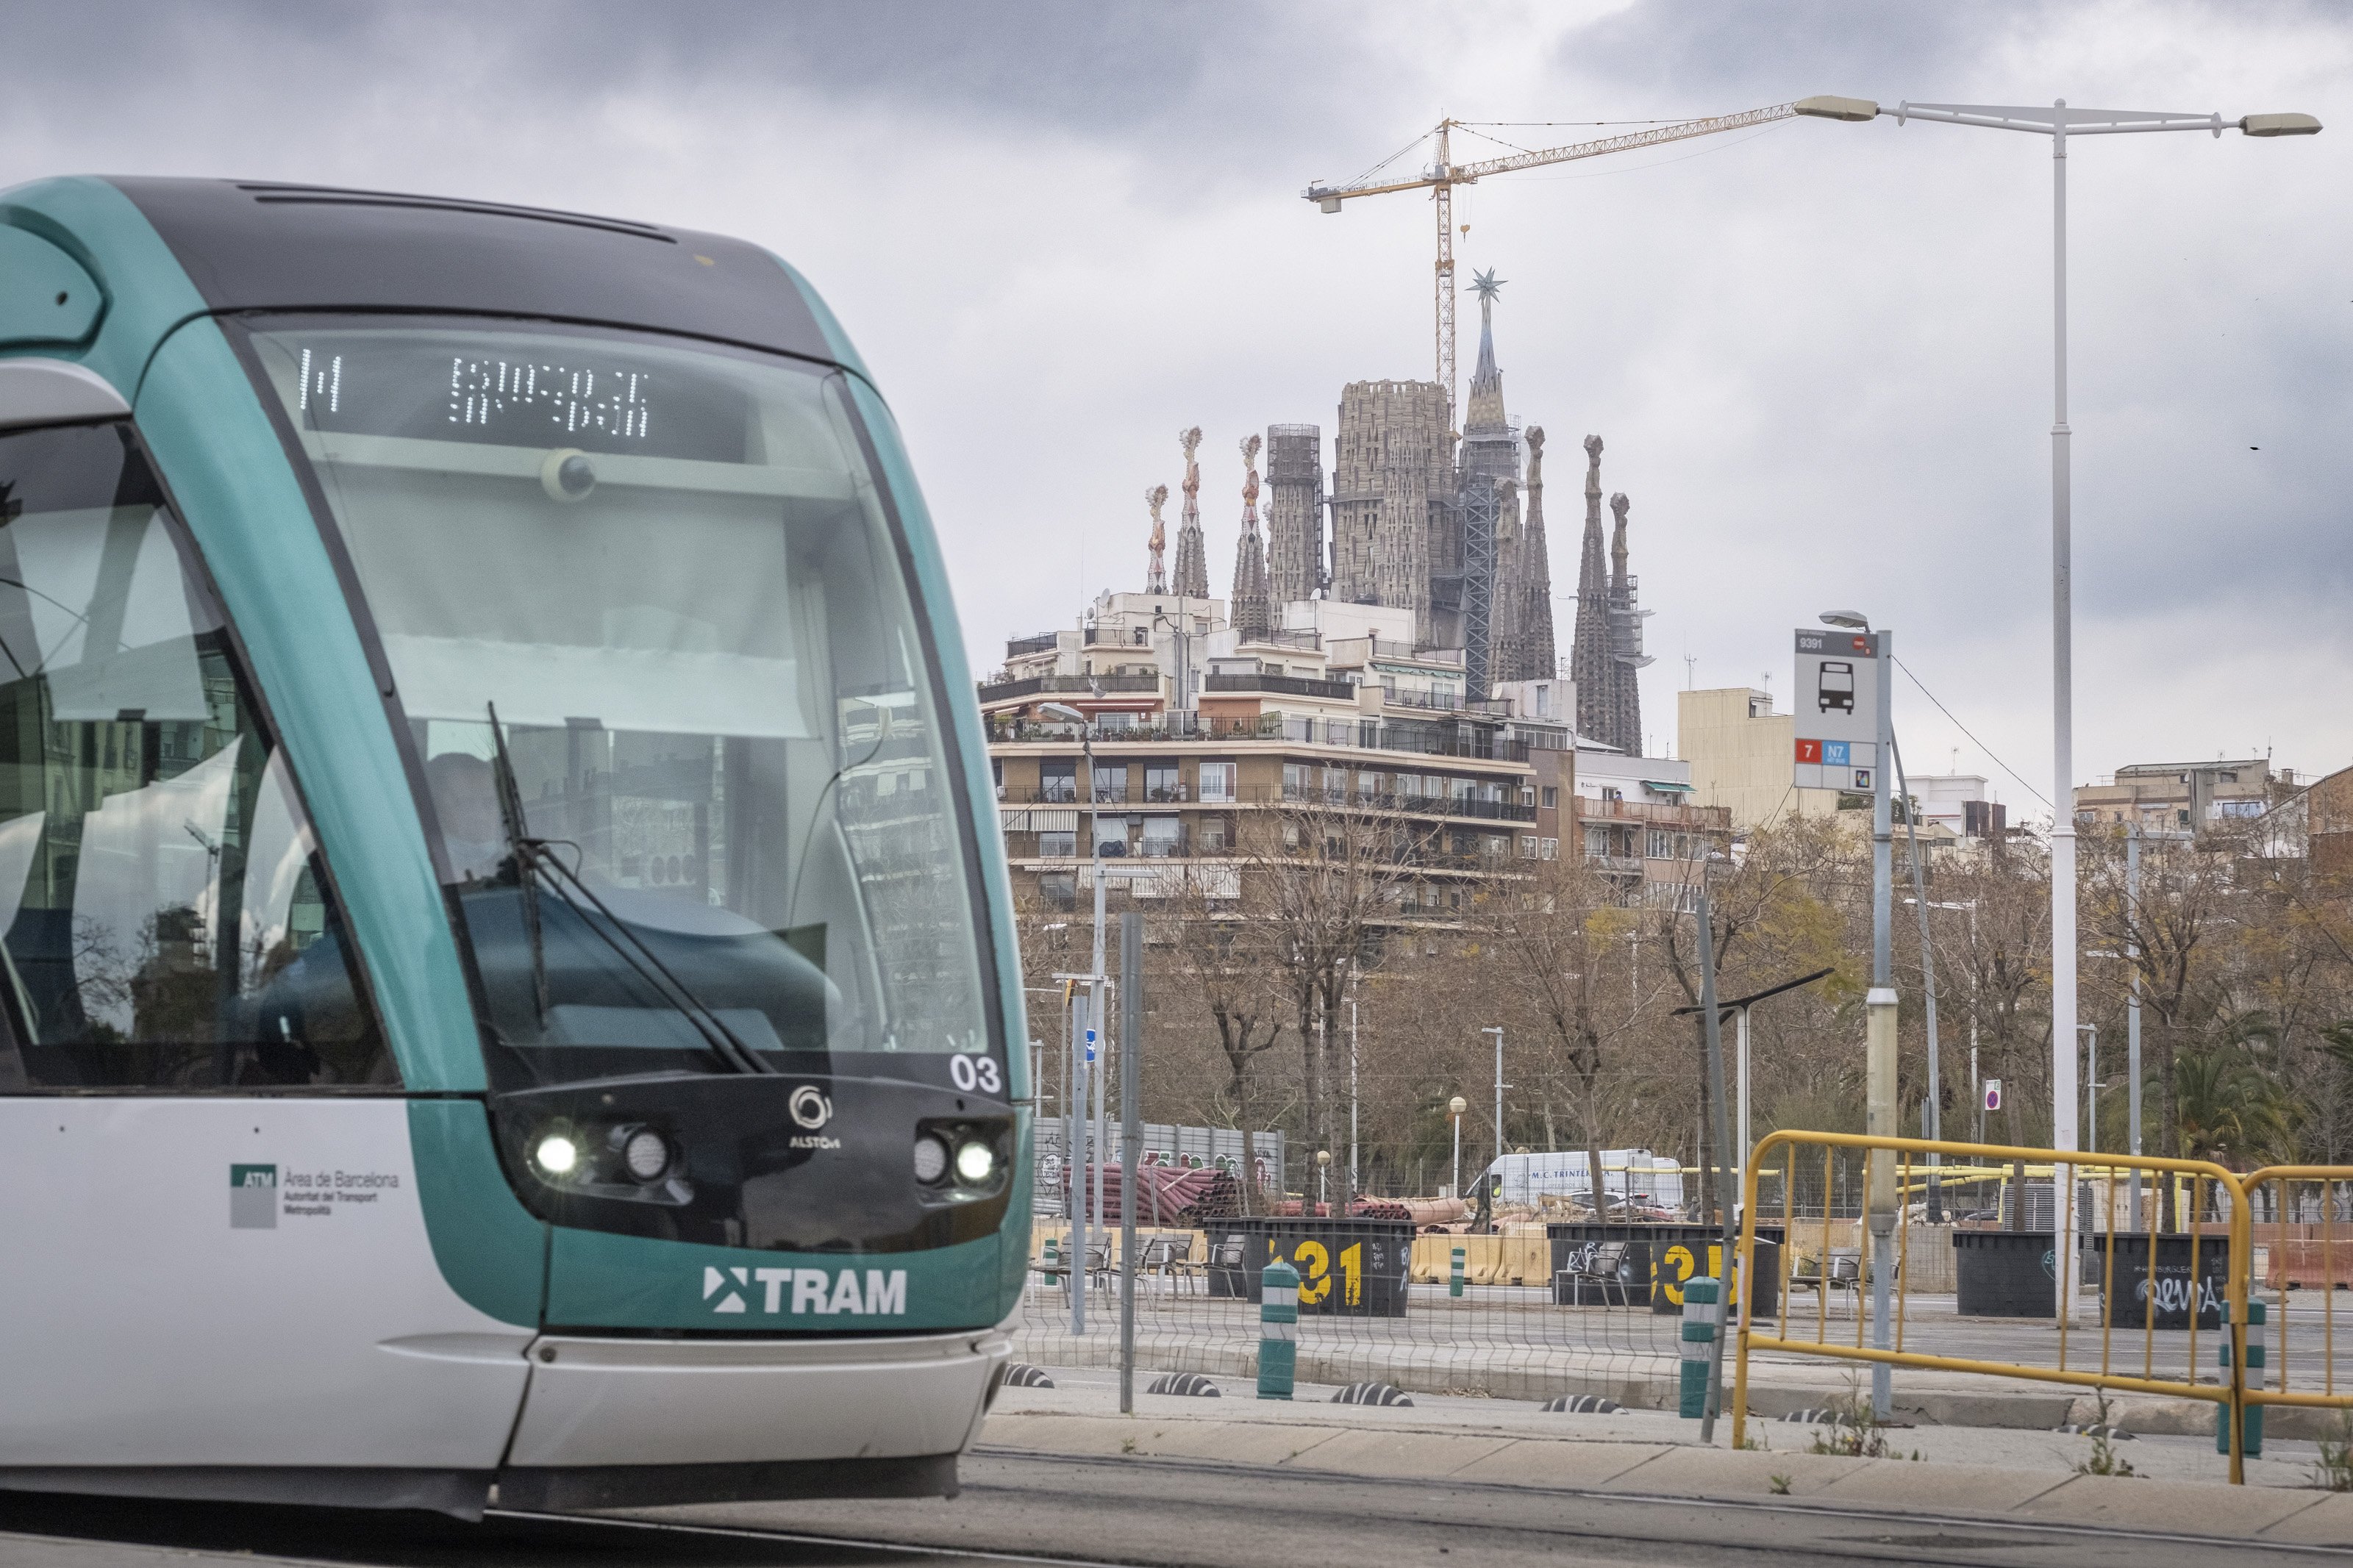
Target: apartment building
2175,798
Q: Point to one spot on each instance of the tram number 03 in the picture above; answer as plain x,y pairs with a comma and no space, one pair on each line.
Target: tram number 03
976,1074
1314,1261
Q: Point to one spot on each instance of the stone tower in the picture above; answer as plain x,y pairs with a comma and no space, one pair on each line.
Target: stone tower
1294,511
1523,640
1626,655
1192,554
1589,661
1392,490
1251,609
1156,580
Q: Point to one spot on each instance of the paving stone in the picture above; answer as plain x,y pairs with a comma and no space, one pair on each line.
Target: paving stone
2143,1504
1397,1454
1543,1462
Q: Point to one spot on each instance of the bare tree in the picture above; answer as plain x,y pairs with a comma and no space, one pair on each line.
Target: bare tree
1559,937
1326,872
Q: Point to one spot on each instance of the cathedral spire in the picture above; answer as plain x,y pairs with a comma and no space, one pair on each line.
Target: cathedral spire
1485,414
1252,609
1589,653
1157,582
1192,554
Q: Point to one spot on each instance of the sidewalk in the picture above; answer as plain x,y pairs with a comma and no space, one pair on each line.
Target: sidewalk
1938,1470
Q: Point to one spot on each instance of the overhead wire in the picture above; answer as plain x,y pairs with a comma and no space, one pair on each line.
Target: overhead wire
1965,730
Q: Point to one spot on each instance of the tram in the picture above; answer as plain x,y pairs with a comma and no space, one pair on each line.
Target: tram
506,966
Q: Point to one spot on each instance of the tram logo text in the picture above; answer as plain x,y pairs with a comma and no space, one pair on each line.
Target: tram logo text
809,1106
822,1291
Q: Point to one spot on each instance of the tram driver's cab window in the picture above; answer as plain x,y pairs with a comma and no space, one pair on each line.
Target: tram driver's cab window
164,922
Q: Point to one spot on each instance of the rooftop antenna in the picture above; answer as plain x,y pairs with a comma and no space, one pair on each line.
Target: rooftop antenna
1691,670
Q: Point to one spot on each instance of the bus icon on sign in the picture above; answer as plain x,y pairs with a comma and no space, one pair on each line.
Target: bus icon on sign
1835,688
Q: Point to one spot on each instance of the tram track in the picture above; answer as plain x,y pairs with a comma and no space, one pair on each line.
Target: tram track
1076,1512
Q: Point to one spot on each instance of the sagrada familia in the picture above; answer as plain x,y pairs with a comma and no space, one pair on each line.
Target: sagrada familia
1449,525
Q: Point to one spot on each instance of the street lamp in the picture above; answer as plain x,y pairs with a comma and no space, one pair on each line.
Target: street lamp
1455,1108
1086,1216
1322,1170
1881,1114
2059,122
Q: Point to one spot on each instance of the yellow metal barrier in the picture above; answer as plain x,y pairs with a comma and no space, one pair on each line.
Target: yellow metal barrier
2229,1393
2304,1262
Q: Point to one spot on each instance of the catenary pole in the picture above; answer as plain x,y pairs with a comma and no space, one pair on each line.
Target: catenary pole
1131,1139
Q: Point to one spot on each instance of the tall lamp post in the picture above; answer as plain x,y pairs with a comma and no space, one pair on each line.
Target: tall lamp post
2059,122
1086,1127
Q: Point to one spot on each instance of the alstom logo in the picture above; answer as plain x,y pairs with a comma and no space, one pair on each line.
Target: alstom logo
819,1291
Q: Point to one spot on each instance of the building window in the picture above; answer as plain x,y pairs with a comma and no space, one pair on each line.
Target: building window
1527,847
1218,781
1211,835
1059,889
1110,780
1548,849
1662,845
1335,783
1597,844
1551,797
1058,779
1298,781
1161,781
1612,792
1057,845
1368,785
1163,836
1111,836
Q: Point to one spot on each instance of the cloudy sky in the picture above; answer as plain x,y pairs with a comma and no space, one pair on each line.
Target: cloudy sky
1819,354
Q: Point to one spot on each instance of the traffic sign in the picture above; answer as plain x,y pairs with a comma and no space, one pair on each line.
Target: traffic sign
1993,1094
1091,1048
1837,702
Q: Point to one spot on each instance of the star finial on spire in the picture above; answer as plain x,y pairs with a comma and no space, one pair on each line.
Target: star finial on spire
1486,285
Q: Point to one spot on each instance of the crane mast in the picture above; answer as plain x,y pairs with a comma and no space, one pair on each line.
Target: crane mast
1441,178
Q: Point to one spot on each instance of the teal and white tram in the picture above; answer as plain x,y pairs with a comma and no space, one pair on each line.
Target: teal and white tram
506,966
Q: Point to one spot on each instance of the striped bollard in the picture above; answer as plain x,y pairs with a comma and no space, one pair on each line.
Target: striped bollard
1278,1330
1454,1274
2251,1433
1053,1271
1699,1315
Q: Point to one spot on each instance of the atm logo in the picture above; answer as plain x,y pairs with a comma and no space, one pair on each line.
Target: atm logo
253,1197
820,1291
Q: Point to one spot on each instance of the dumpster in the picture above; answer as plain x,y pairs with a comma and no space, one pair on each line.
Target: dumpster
1353,1266
2172,1292
1657,1260
2006,1273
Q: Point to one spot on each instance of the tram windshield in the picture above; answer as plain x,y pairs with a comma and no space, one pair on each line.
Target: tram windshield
667,692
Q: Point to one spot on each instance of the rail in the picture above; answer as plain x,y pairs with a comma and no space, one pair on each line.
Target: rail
2321,1264
1281,686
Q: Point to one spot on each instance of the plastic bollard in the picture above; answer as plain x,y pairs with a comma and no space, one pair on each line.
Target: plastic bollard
1053,1258
1700,1313
1454,1274
1278,1330
2251,1432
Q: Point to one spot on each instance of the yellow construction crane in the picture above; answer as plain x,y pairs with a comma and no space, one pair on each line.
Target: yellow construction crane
1443,174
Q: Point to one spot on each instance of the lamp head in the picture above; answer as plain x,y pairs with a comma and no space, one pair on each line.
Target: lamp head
1853,620
1458,1105
1322,1156
2280,125
1824,106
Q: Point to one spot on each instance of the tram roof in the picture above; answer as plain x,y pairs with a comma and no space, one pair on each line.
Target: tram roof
254,245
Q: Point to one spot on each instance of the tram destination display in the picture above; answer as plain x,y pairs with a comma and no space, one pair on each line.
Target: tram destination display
646,404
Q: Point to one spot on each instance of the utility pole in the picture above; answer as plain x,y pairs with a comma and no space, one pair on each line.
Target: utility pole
1352,1093
2132,1004
1131,1139
1931,1123
1500,1086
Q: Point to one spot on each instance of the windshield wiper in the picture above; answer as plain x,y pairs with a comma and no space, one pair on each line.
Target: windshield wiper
534,859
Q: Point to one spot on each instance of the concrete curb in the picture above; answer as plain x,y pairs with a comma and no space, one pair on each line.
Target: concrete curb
2032,1407
2205,1510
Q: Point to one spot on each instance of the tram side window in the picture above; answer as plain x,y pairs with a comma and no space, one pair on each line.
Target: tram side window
164,920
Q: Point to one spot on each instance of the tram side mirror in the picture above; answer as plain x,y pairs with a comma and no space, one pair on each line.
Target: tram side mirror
568,475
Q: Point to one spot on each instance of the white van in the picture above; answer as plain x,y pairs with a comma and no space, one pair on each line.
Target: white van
1650,1180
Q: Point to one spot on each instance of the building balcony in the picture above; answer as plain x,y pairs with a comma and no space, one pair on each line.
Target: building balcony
1280,686
1659,814
1077,685
1019,648
1632,863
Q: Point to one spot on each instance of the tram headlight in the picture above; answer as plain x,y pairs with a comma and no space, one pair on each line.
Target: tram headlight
931,1158
556,1154
975,1162
645,1154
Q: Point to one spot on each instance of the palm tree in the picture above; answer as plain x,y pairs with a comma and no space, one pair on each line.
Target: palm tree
2227,1108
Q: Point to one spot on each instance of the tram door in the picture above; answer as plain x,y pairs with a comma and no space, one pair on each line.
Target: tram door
213,1251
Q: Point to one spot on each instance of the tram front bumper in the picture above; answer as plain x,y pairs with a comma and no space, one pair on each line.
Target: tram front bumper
601,1402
